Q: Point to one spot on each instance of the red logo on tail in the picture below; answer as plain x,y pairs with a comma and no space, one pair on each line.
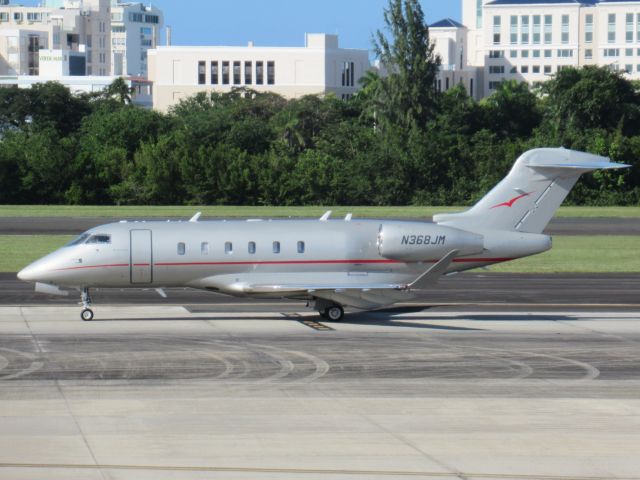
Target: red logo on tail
512,201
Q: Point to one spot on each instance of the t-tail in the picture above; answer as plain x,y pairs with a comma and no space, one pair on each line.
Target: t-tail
527,198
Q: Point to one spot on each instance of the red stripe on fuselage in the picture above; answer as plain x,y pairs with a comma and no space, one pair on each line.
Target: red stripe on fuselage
286,262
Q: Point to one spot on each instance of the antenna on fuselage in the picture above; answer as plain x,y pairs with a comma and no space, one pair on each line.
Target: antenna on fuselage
195,218
326,216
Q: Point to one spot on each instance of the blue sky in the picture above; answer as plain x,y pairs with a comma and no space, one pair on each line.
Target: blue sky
281,22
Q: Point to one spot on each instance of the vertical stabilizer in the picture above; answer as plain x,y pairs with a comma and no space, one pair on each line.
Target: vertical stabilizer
527,198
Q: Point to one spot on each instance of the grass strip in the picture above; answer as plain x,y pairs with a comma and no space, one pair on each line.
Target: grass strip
570,254
234,211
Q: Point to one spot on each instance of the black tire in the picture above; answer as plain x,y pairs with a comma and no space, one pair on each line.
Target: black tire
324,314
335,313
86,314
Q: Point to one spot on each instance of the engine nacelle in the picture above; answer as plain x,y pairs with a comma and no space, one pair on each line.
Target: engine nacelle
414,242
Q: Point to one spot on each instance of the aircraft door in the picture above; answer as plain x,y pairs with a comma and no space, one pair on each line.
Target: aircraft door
141,258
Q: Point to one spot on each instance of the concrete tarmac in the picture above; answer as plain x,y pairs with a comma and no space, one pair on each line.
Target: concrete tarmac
168,392
76,225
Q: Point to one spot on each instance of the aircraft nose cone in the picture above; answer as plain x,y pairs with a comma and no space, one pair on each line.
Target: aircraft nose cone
26,274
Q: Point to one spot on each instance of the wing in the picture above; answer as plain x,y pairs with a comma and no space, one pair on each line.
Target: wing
364,296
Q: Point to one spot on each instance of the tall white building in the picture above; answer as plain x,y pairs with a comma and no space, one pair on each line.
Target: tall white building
135,29
532,40
320,67
58,29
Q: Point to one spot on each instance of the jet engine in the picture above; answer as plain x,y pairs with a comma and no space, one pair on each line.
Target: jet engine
413,241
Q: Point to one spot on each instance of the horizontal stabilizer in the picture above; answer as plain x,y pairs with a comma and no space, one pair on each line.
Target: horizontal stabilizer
579,166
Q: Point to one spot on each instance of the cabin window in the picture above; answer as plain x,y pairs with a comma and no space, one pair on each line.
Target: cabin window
103,239
228,248
252,247
276,247
181,248
300,247
204,248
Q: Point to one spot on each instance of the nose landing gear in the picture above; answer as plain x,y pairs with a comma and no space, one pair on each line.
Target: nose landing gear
87,313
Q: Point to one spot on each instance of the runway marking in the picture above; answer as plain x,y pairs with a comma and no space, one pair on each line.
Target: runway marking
305,471
321,327
33,367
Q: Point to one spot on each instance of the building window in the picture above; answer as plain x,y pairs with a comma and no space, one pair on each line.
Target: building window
181,248
524,54
611,52
525,29
548,53
565,53
225,73
271,73
479,13
588,28
471,87
446,84
628,68
514,30
638,68
237,80
513,54
548,29
214,73
300,247
565,29
536,29
204,248
630,28
34,17
496,54
248,73
348,77
496,29
276,247
259,73
628,52
611,37
513,69
17,16
547,69
638,27
536,69
496,69
588,54
536,53
494,85
4,16
524,69
228,248
202,76
252,248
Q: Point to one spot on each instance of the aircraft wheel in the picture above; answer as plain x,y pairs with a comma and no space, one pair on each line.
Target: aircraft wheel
335,313
87,314
324,314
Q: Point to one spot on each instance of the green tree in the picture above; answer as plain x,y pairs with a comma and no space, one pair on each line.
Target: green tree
408,89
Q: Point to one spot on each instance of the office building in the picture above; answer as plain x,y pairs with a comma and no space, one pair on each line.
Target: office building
320,67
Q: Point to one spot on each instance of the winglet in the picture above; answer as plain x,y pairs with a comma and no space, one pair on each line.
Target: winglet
195,218
431,276
326,216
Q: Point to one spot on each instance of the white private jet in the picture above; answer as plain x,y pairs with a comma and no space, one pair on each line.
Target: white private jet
331,264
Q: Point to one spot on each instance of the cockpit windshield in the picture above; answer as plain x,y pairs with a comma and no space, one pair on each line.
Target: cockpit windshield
87,238
78,240
99,238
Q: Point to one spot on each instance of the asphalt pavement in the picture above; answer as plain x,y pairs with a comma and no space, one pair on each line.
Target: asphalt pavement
76,225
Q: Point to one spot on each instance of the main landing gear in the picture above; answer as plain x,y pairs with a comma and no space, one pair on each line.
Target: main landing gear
87,313
329,311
